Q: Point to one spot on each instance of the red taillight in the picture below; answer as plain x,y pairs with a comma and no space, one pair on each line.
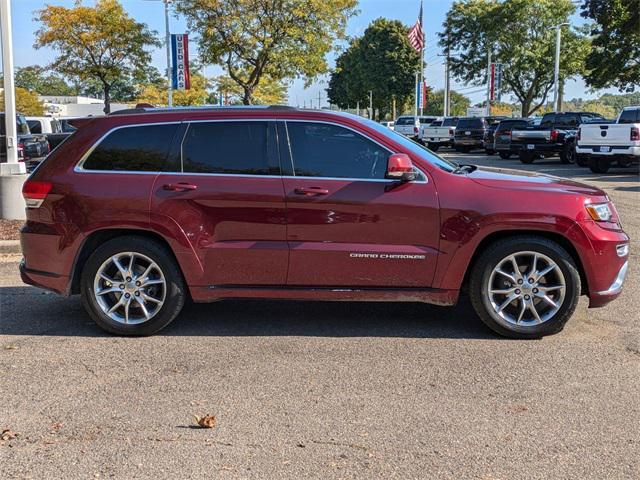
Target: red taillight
635,134
506,132
451,132
415,129
579,134
34,193
554,135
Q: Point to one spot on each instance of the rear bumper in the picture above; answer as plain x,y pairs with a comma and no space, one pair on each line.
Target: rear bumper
469,142
540,148
47,280
615,151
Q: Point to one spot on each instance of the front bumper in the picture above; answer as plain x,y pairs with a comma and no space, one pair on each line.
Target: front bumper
600,299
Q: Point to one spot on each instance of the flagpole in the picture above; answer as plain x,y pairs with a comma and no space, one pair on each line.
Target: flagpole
422,72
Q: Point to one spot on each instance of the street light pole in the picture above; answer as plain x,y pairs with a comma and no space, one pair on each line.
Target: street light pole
168,40
556,71
12,166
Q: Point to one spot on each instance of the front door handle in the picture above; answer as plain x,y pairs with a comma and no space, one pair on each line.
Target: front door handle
310,191
179,187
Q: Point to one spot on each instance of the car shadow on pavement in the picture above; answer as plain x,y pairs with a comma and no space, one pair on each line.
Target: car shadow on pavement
30,311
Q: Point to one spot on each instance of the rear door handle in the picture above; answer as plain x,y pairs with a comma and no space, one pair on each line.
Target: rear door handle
179,187
310,191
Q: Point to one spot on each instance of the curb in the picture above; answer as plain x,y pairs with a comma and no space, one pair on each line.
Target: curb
10,247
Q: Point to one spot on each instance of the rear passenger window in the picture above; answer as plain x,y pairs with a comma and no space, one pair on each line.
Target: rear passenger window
139,149
34,126
227,147
323,150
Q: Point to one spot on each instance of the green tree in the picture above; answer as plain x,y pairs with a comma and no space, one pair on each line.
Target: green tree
27,102
257,38
268,92
381,61
101,43
519,35
38,79
614,60
435,103
158,93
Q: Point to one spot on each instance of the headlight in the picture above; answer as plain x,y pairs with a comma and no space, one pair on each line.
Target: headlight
600,212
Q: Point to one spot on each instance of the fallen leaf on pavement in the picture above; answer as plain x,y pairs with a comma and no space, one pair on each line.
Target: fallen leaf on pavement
8,434
11,347
208,421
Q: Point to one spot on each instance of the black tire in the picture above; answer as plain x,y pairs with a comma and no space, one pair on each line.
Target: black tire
624,163
582,160
599,165
433,147
505,155
568,153
465,149
493,255
526,157
488,151
175,290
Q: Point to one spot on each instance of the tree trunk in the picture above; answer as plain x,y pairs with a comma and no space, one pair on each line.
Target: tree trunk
107,98
247,96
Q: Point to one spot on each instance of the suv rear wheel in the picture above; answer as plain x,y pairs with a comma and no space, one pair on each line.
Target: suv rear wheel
132,286
525,287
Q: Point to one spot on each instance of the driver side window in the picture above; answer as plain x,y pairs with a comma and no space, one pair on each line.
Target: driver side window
325,150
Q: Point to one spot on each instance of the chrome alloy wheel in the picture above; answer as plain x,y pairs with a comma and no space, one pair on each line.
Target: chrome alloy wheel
525,288
130,288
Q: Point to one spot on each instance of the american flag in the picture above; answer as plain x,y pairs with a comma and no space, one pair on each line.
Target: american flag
416,35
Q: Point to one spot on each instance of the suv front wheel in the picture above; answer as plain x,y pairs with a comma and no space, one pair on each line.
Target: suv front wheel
132,286
525,287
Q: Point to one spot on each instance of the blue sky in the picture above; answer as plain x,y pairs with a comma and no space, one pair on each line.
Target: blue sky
151,12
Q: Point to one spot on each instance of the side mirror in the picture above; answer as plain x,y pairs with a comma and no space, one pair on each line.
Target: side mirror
400,167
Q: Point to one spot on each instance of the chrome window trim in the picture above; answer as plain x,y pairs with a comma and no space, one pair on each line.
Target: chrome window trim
391,152
79,166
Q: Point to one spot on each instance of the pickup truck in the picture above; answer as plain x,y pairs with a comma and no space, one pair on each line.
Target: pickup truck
409,125
602,144
556,135
50,127
439,134
31,146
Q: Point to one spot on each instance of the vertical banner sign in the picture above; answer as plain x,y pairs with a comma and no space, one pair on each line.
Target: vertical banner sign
499,81
418,93
180,63
492,84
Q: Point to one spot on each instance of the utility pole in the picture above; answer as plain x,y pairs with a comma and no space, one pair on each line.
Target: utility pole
489,82
370,104
556,71
168,39
447,83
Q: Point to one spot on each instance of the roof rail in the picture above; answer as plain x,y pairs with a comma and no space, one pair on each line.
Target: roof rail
204,108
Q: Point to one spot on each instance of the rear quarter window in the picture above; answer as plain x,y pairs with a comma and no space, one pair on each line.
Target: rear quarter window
135,148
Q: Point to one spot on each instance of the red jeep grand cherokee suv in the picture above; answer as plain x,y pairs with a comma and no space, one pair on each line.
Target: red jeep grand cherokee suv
138,211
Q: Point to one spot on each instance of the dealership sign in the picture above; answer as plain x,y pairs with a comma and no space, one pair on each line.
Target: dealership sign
180,56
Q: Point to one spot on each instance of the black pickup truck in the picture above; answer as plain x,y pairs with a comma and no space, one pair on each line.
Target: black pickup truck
30,147
556,135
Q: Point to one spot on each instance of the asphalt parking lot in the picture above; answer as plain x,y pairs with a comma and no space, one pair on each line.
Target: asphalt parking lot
325,390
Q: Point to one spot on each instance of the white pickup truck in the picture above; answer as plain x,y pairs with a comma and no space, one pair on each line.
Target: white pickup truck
439,134
602,144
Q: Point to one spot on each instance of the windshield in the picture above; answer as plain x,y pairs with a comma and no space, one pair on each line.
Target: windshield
413,147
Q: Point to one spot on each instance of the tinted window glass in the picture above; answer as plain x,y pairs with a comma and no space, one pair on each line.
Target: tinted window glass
436,123
629,116
227,147
567,119
548,119
426,120
322,150
470,123
405,121
509,125
450,122
34,126
133,148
